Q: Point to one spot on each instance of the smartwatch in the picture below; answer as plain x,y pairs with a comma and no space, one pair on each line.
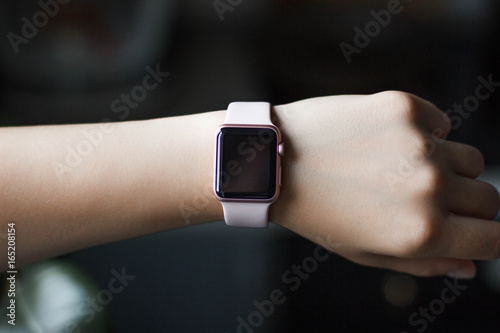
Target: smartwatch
247,176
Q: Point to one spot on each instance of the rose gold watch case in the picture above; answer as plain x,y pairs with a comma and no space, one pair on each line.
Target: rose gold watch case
279,153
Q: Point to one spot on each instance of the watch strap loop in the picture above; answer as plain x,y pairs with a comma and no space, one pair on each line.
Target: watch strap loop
254,113
246,214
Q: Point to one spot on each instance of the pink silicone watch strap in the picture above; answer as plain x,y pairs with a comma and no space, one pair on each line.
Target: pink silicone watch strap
247,214
249,113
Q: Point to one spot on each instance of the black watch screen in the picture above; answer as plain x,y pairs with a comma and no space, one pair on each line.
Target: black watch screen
246,164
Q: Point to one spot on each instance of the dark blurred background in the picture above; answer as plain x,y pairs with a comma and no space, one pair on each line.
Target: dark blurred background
202,279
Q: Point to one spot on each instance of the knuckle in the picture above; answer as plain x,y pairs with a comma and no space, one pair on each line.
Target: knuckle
422,238
401,104
423,149
429,183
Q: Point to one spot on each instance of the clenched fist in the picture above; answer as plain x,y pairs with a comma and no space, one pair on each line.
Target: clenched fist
374,179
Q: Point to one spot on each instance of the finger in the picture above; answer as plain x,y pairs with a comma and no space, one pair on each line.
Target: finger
469,197
456,268
468,238
463,159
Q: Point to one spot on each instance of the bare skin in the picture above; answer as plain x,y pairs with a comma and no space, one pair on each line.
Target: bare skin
369,177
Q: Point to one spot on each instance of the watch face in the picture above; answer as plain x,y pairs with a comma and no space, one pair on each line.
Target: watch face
246,164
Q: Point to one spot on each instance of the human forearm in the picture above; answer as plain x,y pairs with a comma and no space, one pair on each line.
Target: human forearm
370,177
70,187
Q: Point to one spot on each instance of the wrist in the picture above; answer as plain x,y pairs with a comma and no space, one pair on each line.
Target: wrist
283,116
248,164
195,200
